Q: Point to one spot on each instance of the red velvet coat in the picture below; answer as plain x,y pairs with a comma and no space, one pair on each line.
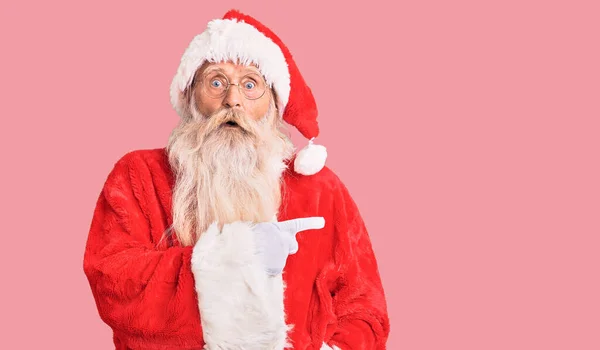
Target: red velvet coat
148,293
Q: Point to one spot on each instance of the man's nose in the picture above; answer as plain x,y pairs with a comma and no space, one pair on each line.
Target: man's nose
233,98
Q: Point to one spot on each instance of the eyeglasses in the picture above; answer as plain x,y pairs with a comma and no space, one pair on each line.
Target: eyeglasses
216,85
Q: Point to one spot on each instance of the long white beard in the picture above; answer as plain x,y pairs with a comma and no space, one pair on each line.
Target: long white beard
225,174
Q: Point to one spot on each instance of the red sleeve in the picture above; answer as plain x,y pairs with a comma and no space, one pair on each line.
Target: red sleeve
354,284
141,292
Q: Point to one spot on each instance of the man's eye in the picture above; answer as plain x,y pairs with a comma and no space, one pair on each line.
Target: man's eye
249,85
216,83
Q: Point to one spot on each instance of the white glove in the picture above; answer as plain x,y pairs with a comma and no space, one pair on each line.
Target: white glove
276,240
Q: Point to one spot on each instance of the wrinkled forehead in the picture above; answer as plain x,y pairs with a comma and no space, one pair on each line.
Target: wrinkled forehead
228,68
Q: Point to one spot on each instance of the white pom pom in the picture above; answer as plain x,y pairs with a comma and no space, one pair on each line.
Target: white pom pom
311,159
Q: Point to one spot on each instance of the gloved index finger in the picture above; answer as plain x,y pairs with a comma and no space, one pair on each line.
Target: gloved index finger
296,225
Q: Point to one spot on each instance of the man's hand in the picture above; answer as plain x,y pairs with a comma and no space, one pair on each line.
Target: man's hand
276,240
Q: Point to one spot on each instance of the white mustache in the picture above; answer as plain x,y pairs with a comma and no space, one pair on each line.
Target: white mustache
223,116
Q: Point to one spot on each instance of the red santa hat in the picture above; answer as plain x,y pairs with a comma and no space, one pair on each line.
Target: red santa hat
240,38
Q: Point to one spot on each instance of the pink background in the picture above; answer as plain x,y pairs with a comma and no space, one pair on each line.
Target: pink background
467,132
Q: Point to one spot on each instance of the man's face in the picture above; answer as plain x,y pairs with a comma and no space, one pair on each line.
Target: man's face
229,153
212,78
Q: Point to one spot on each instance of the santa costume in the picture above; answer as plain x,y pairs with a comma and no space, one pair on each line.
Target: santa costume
157,294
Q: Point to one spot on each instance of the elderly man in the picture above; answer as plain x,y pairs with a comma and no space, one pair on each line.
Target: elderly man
226,239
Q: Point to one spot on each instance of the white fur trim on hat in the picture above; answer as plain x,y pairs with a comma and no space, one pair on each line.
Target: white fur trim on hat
240,42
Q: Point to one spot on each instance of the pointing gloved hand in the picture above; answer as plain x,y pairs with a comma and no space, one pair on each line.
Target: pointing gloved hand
276,240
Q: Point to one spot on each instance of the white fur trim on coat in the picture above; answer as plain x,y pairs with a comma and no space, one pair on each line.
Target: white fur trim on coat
228,39
327,347
241,306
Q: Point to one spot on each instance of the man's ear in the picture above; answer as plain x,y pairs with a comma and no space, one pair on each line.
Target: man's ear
187,97
189,90
275,100
185,100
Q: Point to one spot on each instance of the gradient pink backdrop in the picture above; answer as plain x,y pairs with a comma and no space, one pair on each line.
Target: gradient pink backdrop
468,133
